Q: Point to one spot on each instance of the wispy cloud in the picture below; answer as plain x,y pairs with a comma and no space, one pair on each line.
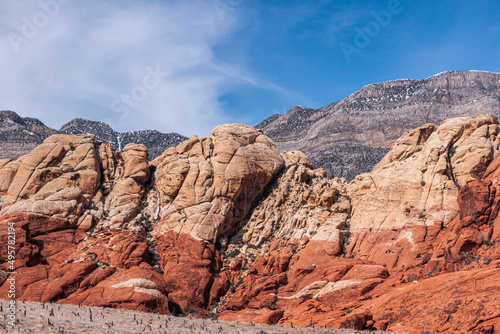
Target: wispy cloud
86,56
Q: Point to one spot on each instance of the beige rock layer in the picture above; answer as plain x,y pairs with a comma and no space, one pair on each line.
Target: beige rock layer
302,205
62,178
205,186
58,178
418,181
128,190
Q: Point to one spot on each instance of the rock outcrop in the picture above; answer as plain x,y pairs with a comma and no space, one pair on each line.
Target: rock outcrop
396,255
70,201
228,226
350,137
414,189
204,187
104,210
56,179
207,185
303,204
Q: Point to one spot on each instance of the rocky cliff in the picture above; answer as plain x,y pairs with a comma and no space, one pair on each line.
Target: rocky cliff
350,137
421,234
229,227
19,135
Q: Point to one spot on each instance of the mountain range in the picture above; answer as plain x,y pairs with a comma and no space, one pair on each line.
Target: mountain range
346,138
19,135
349,137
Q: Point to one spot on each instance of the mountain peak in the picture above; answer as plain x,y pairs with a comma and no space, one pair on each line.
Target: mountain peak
350,136
20,135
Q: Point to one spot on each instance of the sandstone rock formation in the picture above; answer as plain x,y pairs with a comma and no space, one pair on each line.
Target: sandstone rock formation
349,137
81,189
415,187
445,280
227,225
53,196
207,185
204,187
303,204
396,257
56,179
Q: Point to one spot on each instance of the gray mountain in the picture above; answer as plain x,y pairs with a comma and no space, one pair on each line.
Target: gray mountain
155,141
18,135
350,136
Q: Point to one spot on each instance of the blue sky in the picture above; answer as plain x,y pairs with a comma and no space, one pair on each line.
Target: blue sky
187,66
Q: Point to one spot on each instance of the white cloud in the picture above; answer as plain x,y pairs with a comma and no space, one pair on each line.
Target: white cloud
88,55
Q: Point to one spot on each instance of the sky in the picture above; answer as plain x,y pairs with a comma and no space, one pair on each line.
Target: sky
188,66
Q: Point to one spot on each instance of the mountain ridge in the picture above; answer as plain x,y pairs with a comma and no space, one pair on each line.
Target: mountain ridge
350,136
20,135
346,138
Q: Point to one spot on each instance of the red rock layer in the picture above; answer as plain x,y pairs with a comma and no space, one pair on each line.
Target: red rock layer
57,262
435,278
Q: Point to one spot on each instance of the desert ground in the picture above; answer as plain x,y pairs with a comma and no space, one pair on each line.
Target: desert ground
68,319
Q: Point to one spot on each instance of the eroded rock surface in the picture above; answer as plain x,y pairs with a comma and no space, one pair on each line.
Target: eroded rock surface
303,205
396,257
207,185
84,190
411,195
228,225
419,179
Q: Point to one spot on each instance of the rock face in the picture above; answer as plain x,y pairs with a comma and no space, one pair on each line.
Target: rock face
56,179
20,135
204,187
78,203
207,185
419,179
415,187
303,205
403,270
229,226
349,137
53,196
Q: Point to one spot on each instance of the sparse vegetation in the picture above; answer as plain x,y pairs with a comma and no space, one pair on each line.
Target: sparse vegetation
234,253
